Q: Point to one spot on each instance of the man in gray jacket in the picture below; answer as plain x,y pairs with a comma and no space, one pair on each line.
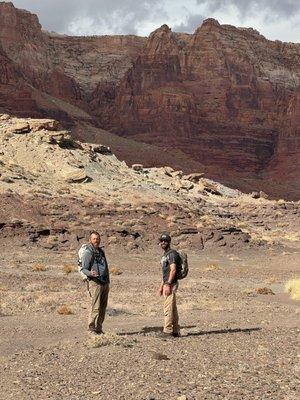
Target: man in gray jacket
94,266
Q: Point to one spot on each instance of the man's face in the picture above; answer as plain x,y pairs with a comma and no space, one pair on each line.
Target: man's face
95,240
164,244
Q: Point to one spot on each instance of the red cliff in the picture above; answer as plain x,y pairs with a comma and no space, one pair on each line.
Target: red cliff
227,97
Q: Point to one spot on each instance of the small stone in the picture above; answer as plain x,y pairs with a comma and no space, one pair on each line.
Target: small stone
137,167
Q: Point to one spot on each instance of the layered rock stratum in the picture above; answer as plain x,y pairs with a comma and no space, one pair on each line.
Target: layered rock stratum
223,100
54,190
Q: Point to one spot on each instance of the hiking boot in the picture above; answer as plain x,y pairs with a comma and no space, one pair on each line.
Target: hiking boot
164,335
95,333
176,334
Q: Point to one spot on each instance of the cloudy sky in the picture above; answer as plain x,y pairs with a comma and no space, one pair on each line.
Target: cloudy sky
275,19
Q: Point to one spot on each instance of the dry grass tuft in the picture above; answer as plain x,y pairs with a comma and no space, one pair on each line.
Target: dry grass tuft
64,310
264,290
273,279
206,220
115,271
212,267
110,339
68,269
112,240
293,288
39,267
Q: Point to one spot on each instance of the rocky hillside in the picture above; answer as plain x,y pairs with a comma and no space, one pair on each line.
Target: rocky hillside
54,190
225,97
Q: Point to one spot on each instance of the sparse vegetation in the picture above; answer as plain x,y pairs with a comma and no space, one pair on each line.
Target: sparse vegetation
68,269
211,267
293,288
115,270
111,339
39,267
206,220
264,290
64,310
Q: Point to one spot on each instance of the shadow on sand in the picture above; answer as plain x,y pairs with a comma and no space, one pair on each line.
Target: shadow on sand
156,329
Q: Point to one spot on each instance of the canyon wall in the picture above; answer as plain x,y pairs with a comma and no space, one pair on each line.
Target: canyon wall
226,97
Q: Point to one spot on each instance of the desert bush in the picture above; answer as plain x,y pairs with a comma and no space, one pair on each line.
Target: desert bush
115,270
111,339
39,267
211,267
69,268
293,288
264,290
64,310
112,240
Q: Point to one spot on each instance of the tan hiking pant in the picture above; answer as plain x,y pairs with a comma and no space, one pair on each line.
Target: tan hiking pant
170,312
99,294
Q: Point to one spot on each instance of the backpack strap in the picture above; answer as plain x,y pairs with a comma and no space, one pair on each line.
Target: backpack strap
89,248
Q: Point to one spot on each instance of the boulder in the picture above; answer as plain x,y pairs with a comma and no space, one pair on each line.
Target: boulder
195,177
40,124
20,128
101,149
184,185
208,187
168,171
137,167
177,174
75,175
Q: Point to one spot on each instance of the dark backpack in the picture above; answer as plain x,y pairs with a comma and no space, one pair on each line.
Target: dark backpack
184,265
184,270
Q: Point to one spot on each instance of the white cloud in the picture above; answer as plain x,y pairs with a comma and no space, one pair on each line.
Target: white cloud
275,19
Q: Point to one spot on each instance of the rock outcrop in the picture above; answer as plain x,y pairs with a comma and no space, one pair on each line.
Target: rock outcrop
226,97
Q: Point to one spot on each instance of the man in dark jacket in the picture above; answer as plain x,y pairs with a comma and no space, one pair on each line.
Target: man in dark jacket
171,267
94,266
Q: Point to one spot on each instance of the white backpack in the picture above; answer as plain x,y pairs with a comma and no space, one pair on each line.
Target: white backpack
81,251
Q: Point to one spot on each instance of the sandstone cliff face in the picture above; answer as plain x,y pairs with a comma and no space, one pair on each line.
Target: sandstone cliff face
225,96
30,52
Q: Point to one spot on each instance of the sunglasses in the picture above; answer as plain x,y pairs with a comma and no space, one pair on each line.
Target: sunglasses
164,240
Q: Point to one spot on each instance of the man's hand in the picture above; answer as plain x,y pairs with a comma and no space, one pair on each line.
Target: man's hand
94,274
160,290
167,290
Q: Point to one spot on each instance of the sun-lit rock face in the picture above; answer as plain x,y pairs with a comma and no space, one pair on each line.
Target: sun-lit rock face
225,96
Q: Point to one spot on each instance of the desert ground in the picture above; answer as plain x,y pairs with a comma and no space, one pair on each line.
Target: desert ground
239,328
235,344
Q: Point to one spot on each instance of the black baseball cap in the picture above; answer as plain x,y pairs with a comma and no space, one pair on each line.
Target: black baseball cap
165,237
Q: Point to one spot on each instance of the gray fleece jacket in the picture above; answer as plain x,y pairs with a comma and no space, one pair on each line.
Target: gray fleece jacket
94,260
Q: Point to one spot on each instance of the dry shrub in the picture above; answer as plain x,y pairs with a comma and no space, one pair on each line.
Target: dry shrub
273,279
264,290
283,224
112,240
212,267
206,220
110,339
293,288
68,269
39,267
64,310
292,237
115,271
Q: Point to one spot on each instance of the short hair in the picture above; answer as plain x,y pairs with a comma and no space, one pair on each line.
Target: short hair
94,233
